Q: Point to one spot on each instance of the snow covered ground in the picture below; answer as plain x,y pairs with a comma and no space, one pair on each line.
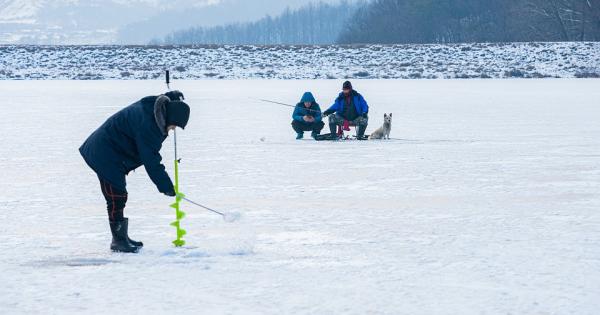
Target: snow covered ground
464,61
487,205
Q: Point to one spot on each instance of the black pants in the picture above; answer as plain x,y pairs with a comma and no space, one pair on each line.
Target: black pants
300,127
115,200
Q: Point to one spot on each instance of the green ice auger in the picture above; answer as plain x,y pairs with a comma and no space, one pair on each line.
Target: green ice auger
178,198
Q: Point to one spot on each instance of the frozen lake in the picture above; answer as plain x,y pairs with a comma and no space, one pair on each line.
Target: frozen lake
487,205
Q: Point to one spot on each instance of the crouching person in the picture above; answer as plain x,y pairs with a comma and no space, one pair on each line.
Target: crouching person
307,117
350,109
129,139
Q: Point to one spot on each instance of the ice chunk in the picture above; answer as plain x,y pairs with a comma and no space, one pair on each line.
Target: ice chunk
231,216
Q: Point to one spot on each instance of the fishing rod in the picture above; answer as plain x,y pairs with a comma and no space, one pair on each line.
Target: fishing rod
227,216
204,207
284,104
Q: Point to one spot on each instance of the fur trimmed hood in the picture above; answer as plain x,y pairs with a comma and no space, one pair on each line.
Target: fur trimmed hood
160,113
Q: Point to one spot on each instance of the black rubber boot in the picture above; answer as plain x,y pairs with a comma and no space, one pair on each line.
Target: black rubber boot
314,134
333,129
135,243
120,240
361,133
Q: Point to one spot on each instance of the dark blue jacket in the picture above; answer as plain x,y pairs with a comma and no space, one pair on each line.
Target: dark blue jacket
127,140
359,102
314,110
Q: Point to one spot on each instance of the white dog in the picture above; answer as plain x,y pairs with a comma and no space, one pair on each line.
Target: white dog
384,131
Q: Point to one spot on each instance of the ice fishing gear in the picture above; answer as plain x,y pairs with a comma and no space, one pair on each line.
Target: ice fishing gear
336,137
284,104
228,217
179,214
168,79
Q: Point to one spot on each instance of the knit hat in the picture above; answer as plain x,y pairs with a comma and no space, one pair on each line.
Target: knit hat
178,114
347,85
307,97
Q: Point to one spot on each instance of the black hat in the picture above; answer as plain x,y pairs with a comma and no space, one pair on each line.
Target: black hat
347,85
178,114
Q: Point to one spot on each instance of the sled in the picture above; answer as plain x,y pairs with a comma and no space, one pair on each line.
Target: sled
328,137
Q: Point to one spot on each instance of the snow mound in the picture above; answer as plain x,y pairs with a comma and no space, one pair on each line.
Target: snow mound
461,61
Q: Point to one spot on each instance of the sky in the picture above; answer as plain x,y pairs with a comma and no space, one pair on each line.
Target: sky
120,21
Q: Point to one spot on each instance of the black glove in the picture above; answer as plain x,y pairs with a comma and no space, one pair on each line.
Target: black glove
175,95
171,193
328,112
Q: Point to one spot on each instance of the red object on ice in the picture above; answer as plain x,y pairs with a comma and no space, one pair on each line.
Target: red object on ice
346,127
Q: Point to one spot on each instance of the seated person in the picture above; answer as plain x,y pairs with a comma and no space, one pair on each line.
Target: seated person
349,106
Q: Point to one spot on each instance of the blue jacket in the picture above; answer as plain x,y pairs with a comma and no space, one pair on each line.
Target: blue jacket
129,139
314,110
359,102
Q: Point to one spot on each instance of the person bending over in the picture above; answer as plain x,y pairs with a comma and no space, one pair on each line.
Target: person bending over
129,139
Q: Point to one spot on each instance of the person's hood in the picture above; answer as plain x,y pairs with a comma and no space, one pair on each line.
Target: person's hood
160,113
307,97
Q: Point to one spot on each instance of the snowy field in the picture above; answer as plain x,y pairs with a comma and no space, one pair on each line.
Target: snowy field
463,61
487,203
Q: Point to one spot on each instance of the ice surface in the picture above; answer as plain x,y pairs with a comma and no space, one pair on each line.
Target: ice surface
489,203
231,216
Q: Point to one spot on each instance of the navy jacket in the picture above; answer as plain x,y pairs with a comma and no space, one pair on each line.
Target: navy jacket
359,102
129,139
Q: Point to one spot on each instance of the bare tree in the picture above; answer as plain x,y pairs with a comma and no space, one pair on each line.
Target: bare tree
564,20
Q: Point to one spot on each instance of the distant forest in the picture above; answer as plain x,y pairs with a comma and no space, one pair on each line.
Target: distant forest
458,21
314,24
411,21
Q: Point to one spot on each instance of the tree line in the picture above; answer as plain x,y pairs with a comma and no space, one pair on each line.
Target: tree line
313,24
457,21
411,21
